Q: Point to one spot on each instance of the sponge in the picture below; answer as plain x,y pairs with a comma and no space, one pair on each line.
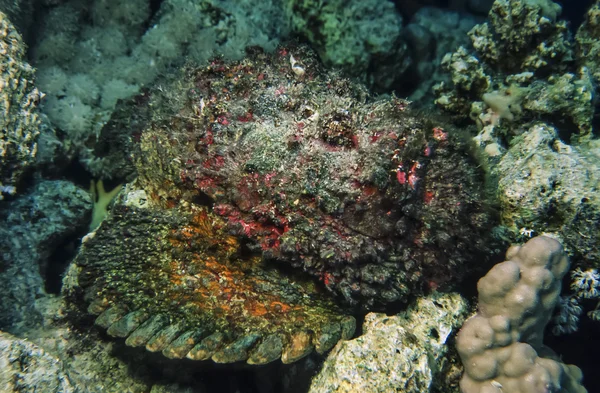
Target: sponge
101,199
501,346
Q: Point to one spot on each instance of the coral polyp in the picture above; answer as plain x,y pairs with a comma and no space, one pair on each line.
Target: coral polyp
277,203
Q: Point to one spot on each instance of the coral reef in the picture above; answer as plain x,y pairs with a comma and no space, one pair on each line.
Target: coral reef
361,37
404,352
529,87
501,346
431,33
523,67
247,169
546,185
19,122
587,41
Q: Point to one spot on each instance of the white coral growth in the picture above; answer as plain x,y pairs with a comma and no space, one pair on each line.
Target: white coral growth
586,284
566,317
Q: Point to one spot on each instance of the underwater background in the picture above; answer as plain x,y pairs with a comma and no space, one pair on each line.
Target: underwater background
299,196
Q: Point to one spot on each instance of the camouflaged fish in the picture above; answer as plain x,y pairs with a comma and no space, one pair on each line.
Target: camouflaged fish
272,200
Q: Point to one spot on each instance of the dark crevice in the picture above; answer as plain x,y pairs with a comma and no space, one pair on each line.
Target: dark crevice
57,264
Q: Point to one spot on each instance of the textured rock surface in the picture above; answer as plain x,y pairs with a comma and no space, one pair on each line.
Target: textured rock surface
19,123
27,368
343,37
547,185
588,41
405,352
56,358
511,39
525,68
33,227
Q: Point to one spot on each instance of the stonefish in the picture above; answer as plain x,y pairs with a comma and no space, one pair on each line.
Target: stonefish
273,199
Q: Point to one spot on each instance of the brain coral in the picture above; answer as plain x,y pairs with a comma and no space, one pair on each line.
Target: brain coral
278,198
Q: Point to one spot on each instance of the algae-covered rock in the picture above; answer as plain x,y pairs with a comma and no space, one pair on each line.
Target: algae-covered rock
569,94
523,35
548,186
588,41
515,77
357,36
27,368
55,357
19,123
405,352
278,197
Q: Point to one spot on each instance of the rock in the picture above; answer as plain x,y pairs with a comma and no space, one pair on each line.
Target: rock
588,41
344,38
397,353
33,227
546,185
19,121
27,368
